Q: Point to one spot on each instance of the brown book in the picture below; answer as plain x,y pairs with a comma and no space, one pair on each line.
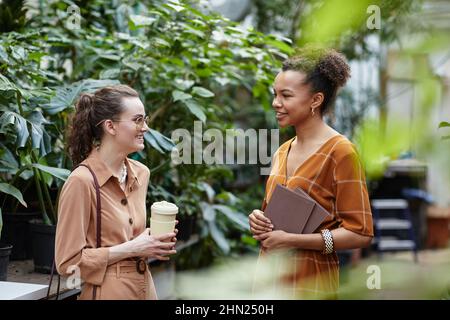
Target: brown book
317,216
288,210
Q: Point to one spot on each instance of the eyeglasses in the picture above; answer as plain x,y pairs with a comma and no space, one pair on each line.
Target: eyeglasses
139,121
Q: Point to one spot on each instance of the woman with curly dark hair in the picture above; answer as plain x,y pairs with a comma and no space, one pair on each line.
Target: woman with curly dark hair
108,249
323,163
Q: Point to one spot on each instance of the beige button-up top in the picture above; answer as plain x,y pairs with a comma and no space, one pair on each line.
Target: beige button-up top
123,216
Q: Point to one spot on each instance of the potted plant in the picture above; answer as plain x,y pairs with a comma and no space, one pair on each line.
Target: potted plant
25,141
5,251
16,214
6,248
34,179
35,174
28,143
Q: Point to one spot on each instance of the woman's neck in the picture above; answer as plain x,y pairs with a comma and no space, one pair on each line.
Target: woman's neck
113,158
313,131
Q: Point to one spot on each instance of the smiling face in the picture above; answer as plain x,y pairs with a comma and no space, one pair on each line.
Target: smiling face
293,98
128,136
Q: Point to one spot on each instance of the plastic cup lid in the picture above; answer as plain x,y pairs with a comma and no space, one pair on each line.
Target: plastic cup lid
164,207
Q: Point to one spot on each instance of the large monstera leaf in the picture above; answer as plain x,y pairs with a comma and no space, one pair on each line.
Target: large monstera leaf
66,96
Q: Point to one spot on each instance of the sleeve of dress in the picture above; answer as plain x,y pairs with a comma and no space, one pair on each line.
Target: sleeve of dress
71,249
274,167
352,199
263,204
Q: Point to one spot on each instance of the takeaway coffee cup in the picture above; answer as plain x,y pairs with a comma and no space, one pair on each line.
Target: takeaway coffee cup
161,227
163,216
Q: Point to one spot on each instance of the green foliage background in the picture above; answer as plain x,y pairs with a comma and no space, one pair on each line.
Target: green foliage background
187,65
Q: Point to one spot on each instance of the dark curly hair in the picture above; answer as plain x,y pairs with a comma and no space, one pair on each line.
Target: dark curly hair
326,71
103,104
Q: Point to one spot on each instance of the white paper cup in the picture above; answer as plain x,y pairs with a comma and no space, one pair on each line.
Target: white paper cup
158,228
163,216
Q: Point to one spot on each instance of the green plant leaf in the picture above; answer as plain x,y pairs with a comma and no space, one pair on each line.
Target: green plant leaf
280,45
18,53
112,57
444,124
180,96
133,65
208,211
110,73
3,55
151,139
236,217
138,21
27,174
209,191
175,5
195,109
249,240
164,142
36,56
39,137
219,237
7,158
66,96
6,85
20,126
59,173
183,84
202,92
12,191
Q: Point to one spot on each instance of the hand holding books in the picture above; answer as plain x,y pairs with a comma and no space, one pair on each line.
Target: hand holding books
259,223
294,211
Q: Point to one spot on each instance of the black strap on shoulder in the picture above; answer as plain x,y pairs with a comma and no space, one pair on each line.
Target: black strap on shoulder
99,205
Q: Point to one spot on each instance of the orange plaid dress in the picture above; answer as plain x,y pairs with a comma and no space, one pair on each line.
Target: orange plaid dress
334,177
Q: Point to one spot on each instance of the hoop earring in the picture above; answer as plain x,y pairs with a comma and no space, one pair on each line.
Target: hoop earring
312,112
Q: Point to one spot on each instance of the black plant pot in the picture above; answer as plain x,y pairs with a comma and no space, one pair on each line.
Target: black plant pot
16,231
186,226
5,251
43,246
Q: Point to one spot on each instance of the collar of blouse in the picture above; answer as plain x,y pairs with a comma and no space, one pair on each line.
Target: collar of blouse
102,171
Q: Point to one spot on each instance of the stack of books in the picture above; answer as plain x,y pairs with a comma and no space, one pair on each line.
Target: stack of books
294,211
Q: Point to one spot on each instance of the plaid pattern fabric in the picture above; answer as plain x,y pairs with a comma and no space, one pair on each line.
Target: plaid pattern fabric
334,177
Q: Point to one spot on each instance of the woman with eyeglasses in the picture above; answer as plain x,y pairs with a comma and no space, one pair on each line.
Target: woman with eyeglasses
106,127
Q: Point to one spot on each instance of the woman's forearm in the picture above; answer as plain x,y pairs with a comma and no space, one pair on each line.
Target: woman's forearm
119,252
342,239
144,245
